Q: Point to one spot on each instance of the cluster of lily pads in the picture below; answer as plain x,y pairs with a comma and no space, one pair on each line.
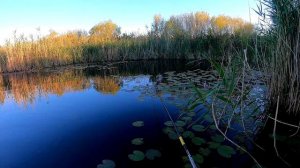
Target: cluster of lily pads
138,155
194,135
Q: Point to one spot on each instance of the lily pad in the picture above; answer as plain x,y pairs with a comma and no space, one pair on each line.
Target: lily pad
198,141
168,123
188,134
180,129
107,164
137,141
151,154
187,119
208,118
180,123
217,138
226,151
173,136
191,114
198,128
204,151
136,156
138,123
198,158
167,130
213,145
213,127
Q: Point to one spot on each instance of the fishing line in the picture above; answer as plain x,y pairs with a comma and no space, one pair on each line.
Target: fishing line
182,142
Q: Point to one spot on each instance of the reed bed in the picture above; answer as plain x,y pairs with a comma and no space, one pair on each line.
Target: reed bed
281,57
186,36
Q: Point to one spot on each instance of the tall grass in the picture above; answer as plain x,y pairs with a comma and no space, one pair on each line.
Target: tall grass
283,55
186,36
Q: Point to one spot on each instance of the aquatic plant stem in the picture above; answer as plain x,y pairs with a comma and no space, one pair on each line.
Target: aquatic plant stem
274,133
274,128
231,141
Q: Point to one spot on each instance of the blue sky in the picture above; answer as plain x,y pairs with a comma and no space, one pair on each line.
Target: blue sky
132,15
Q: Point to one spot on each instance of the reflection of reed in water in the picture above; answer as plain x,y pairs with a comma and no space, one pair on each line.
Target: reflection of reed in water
2,91
25,88
106,85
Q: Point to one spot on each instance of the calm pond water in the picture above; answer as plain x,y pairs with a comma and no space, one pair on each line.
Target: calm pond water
78,117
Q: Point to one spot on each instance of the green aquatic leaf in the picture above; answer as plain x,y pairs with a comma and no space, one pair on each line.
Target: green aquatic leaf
180,123
107,164
180,129
137,141
191,114
213,145
226,151
213,127
218,138
208,118
188,134
198,158
138,123
198,141
187,119
198,128
204,151
136,156
173,136
151,154
169,123
167,130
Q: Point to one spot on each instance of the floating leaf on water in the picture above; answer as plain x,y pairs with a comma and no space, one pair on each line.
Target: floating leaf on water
168,123
151,154
226,151
198,128
204,151
187,119
198,141
213,127
167,130
180,129
198,158
180,123
107,164
137,141
136,156
217,138
208,118
173,136
188,134
138,123
213,145
191,114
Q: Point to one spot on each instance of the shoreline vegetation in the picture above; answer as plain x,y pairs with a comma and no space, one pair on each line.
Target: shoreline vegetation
187,36
233,47
272,46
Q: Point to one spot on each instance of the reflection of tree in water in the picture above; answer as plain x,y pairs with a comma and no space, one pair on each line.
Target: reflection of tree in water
106,85
25,88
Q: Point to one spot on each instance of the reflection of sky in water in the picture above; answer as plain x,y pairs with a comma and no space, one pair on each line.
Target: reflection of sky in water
85,119
77,128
